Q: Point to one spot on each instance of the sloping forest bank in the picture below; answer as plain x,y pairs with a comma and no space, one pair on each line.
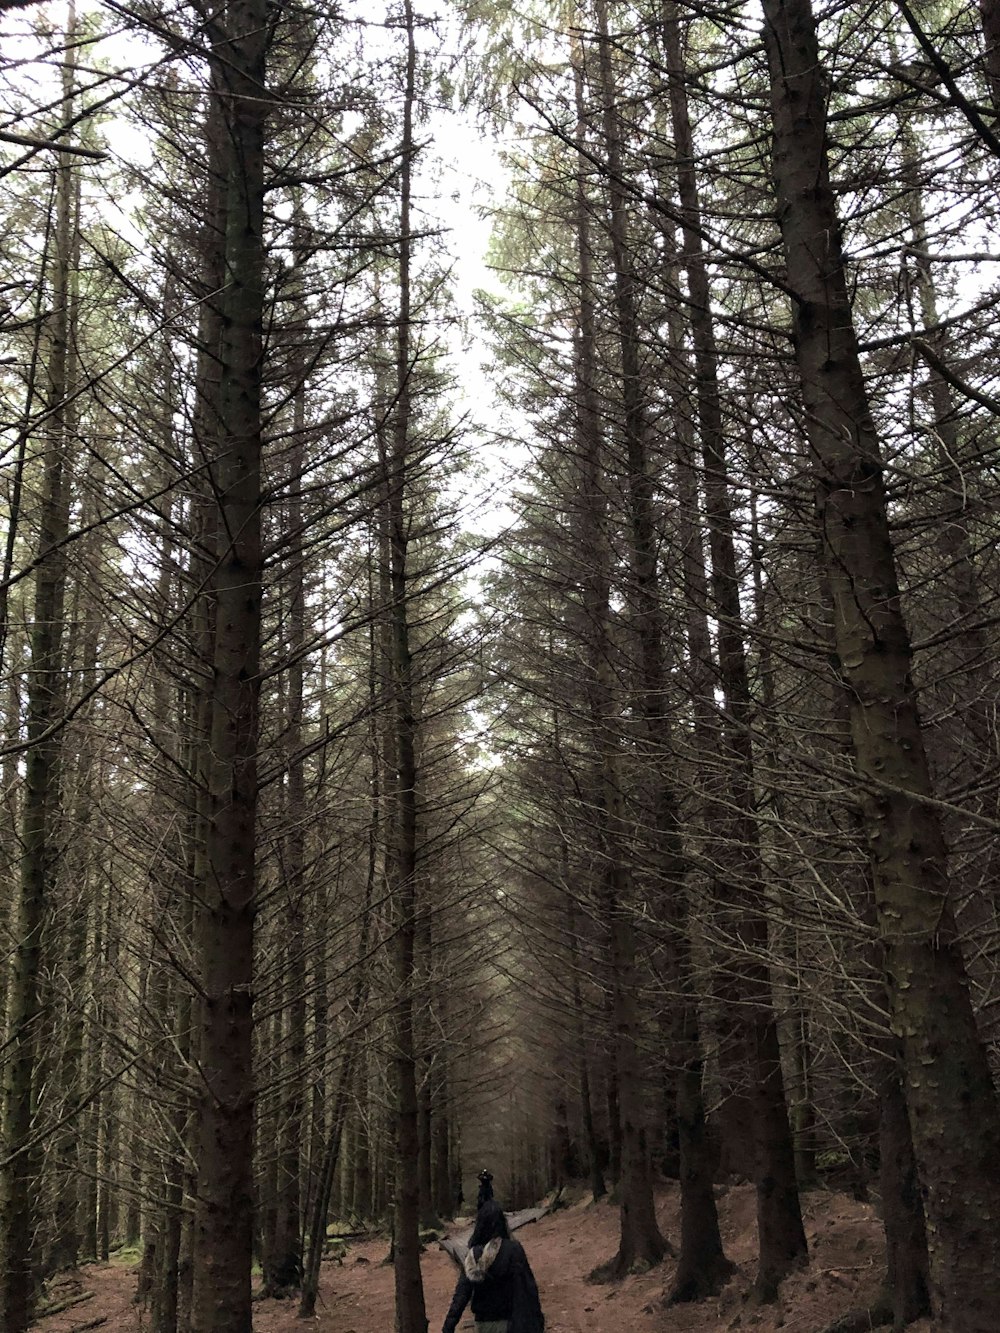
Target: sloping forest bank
356,1293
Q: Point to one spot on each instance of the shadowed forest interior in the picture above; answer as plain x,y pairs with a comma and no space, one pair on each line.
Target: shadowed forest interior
498,637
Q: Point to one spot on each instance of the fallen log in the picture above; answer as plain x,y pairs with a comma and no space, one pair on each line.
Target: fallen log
91,1323
457,1244
57,1307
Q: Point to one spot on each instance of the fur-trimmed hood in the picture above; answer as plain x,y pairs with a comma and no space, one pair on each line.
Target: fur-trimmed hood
490,1260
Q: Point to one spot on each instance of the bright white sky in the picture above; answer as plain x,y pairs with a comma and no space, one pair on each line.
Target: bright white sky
460,175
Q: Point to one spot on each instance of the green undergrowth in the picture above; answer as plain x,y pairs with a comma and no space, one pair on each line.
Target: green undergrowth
126,1256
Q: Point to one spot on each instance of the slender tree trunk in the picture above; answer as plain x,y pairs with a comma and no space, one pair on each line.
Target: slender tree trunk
90,1157
593,538
425,1119
19,1182
283,1250
331,1161
350,1061
965,694
425,1114
641,1243
411,1316
173,1297
781,1235
317,1137
949,1092
702,1266
597,1187
640,1238
444,1204
107,1123
74,910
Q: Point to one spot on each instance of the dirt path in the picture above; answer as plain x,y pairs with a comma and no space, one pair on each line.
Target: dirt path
357,1295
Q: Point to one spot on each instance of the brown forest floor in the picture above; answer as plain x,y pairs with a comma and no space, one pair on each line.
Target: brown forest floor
846,1260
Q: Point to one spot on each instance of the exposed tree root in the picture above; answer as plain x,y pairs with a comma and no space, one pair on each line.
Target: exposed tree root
700,1282
618,1268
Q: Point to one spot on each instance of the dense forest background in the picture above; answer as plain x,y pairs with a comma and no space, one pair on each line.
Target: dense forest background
554,730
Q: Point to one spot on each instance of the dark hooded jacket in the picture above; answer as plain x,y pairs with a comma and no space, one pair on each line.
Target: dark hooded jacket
497,1279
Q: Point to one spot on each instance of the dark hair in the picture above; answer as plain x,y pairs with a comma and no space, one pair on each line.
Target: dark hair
490,1222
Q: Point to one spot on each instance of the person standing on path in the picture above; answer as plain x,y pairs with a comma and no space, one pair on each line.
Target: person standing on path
485,1188
497,1278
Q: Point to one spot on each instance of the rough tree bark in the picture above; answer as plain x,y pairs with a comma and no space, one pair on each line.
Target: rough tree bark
401,875
781,1236
345,1090
702,1266
641,1243
963,743
597,1187
171,1303
989,11
45,695
75,855
902,1210
225,927
949,1092
282,1249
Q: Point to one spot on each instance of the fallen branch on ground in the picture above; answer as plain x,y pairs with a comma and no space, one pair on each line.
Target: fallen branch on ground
57,1307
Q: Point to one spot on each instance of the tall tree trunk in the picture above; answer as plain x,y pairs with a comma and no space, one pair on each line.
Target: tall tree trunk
967,735
641,1243
640,1240
902,1212
172,1297
331,1154
345,1090
45,697
785,944
702,1266
597,1187
906,1292
425,1070
781,1236
224,1249
990,13
318,1060
167,994
444,1204
79,891
401,876
107,1119
949,1092
283,1248
90,1157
